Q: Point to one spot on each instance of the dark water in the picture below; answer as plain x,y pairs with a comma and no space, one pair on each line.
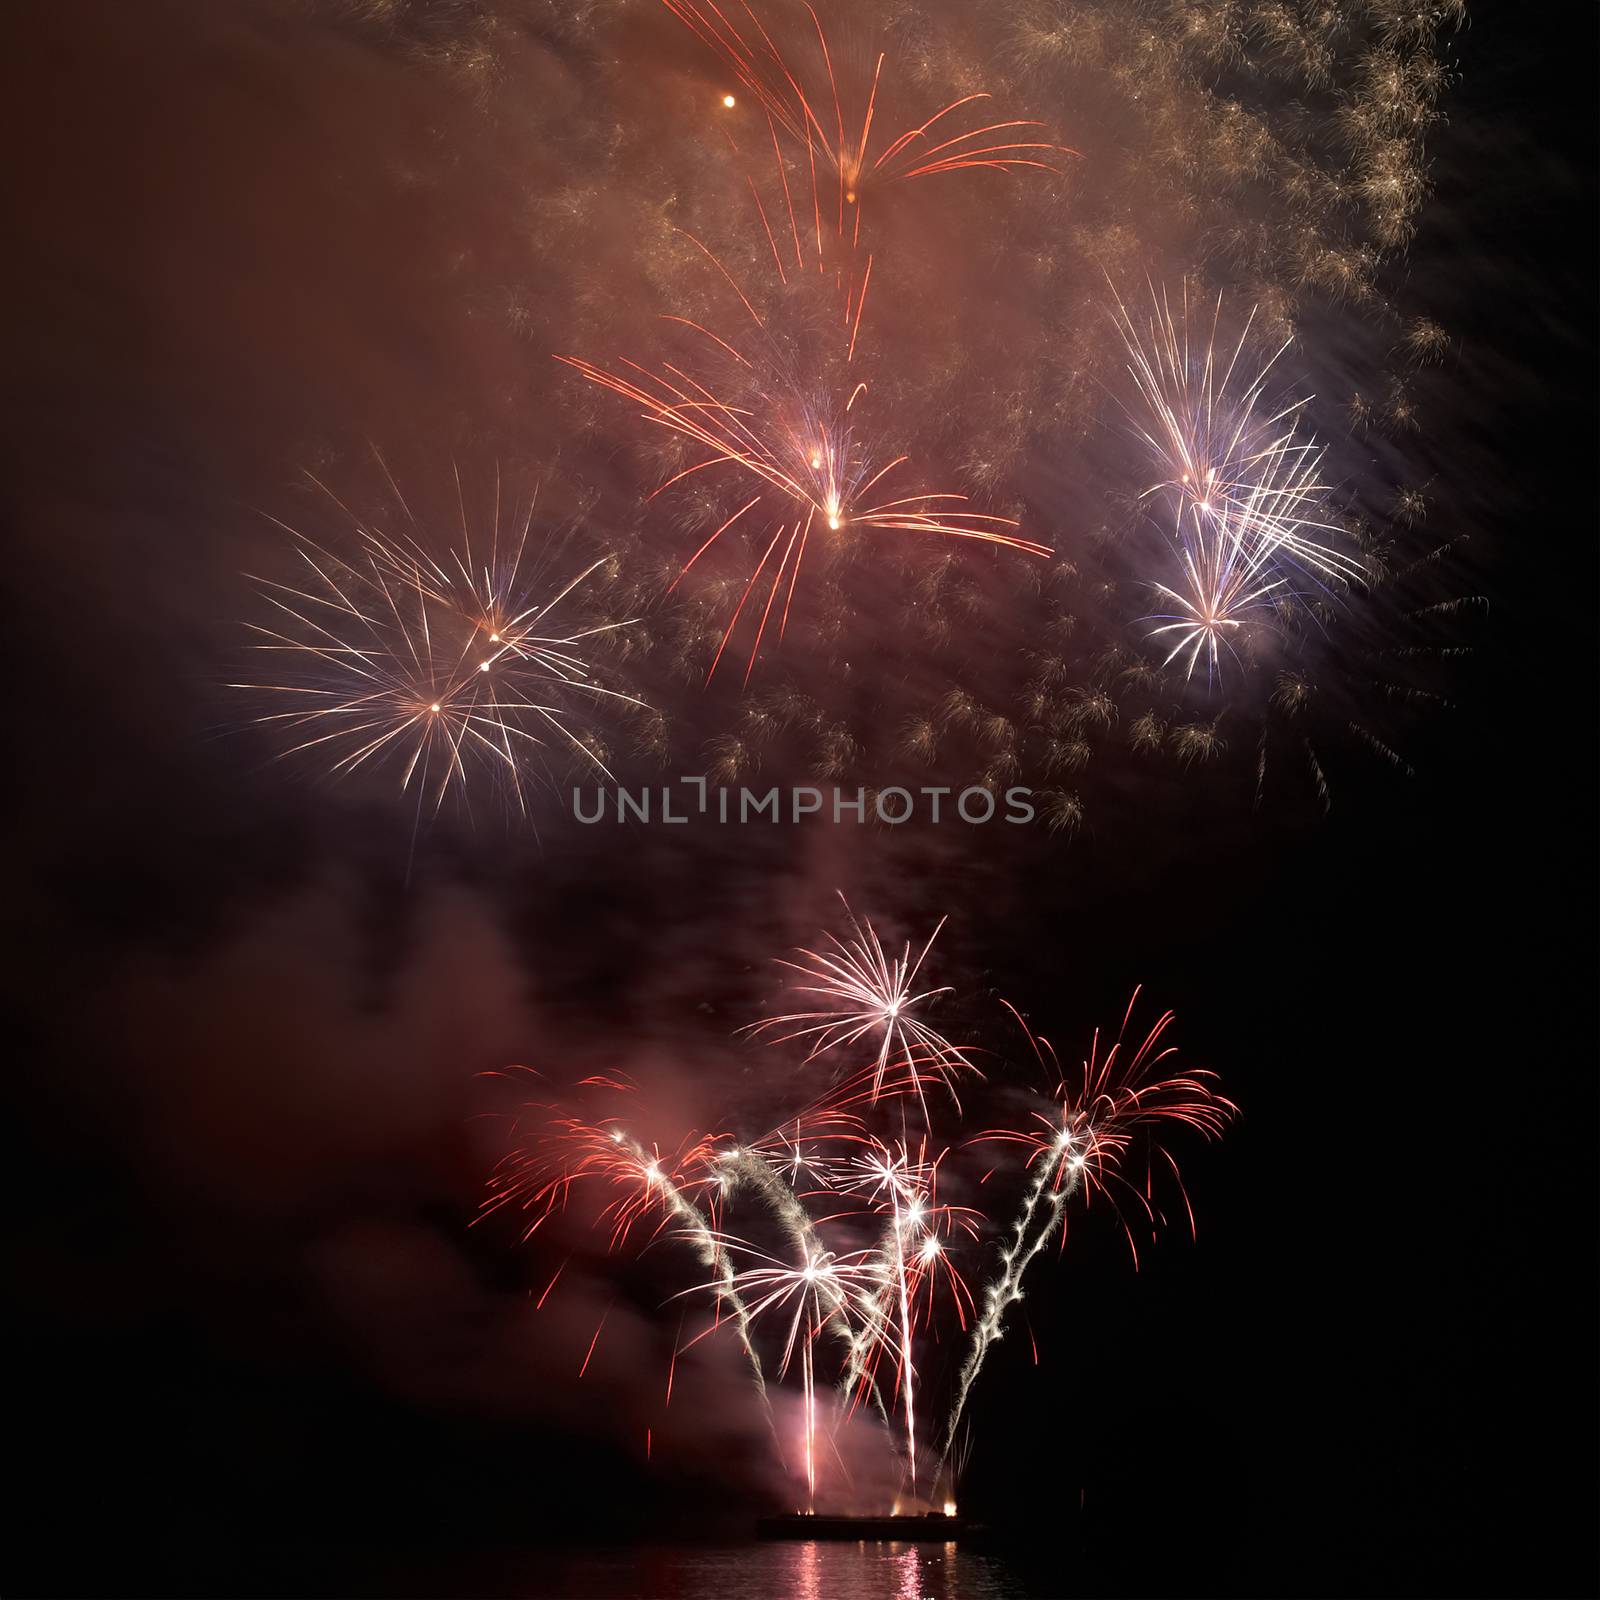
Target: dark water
780,1570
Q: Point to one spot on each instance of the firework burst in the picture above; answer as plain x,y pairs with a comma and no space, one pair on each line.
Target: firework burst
862,995
821,130
787,426
864,1261
1081,1145
818,1291
1241,492
901,1186
538,1178
458,671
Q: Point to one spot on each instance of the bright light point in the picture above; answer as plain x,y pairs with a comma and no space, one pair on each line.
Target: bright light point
850,196
616,1137
728,102
949,1508
435,706
833,522
930,1249
484,667
1065,1138
652,1172
494,638
1076,1163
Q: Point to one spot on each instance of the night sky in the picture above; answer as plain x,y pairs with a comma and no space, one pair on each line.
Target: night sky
257,1345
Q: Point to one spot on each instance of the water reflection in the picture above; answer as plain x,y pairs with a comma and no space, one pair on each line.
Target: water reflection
780,1570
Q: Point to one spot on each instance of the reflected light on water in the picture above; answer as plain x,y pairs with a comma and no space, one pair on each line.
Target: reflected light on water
781,1569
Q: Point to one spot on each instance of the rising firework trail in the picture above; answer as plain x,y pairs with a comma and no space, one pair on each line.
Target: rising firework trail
1080,1146
901,1186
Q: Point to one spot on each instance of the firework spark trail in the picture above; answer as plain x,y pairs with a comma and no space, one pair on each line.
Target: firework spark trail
900,1184
902,1187
751,1166
746,1165
1006,1290
823,1287
714,1254
606,1151
746,1168
908,1372
1080,1148
1231,572
867,993
891,1252
454,667
829,1120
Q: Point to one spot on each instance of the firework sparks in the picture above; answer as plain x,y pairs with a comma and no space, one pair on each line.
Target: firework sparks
818,1290
805,105
1244,495
902,1187
876,1296
459,671
1079,1147
861,994
539,1179
797,442
1196,164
